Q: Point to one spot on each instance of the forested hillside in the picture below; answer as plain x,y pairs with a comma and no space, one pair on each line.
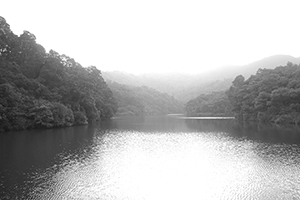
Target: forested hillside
40,89
270,95
213,104
185,87
143,101
247,70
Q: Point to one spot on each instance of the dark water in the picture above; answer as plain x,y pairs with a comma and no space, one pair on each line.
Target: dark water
152,158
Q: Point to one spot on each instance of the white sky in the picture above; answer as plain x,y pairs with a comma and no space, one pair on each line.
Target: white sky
160,35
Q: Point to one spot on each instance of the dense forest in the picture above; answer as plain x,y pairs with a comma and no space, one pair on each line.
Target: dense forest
40,89
270,95
213,104
143,100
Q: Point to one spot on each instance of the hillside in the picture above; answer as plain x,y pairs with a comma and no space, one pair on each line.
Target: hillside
249,69
142,100
185,87
46,89
270,95
213,104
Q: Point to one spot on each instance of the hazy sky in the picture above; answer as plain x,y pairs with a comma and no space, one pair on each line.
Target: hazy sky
160,35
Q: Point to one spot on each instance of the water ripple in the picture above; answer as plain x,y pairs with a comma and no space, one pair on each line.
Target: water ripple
118,164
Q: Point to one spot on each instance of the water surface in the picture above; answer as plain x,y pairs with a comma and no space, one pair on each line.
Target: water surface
152,158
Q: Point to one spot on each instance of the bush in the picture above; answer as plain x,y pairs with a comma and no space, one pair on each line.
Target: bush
80,118
43,116
62,116
51,114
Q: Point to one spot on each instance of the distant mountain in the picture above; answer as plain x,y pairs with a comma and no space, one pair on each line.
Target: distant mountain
142,101
123,78
169,82
251,69
188,86
268,63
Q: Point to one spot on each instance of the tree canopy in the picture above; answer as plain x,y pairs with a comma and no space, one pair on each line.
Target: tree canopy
143,100
46,89
270,95
213,104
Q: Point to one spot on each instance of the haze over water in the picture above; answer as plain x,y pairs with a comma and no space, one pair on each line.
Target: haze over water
152,158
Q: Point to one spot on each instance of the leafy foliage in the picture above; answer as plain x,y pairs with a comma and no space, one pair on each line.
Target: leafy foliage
143,101
270,95
40,89
214,104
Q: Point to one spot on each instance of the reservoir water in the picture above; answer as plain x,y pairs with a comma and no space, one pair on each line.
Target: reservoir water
152,158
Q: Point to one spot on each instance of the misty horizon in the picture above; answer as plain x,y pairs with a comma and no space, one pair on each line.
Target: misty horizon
207,70
160,36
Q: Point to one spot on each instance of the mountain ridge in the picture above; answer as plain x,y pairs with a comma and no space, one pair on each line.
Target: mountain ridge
187,86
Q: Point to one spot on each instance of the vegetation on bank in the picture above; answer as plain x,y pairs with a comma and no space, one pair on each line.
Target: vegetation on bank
270,95
209,105
40,89
143,101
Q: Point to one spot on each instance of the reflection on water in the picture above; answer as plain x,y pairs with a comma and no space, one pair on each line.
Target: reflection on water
152,158
269,133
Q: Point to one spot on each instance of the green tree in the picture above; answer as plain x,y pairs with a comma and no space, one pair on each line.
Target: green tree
270,95
40,89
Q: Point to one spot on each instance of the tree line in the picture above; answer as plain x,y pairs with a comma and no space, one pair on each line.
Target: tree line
209,105
271,95
47,89
135,101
